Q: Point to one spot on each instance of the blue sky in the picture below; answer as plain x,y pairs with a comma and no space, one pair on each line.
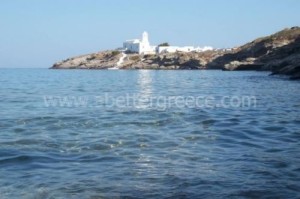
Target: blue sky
37,33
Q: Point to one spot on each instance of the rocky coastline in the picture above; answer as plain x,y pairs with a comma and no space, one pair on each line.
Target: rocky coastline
278,53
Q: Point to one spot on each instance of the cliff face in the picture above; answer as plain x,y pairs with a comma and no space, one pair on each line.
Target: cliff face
279,53
285,60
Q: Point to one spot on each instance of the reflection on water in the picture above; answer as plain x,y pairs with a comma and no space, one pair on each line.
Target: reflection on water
145,89
86,152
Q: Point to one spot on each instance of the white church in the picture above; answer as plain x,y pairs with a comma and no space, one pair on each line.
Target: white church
142,46
139,46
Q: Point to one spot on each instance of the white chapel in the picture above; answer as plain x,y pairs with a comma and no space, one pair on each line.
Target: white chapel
140,46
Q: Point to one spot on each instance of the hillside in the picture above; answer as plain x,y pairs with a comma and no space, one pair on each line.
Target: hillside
279,53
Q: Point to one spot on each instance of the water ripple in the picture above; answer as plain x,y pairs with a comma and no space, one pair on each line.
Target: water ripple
185,152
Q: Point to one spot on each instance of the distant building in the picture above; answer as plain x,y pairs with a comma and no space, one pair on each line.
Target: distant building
139,46
143,47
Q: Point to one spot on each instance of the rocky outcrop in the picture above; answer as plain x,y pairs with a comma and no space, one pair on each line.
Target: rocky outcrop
169,61
248,64
279,53
101,60
285,60
166,61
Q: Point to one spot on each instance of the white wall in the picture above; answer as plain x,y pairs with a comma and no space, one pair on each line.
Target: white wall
139,47
150,50
203,49
131,46
172,49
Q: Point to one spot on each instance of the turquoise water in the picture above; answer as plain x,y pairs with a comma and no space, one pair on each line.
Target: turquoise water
100,149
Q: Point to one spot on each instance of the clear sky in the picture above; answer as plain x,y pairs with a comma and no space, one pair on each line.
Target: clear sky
37,33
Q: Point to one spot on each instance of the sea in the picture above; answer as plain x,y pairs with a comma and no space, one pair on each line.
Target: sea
91,134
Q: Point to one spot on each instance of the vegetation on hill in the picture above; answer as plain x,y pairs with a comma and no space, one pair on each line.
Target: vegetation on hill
164,44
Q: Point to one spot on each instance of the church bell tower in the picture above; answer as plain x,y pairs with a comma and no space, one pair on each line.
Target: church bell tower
145,39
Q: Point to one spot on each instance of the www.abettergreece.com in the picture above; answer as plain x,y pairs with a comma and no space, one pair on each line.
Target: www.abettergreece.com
136,101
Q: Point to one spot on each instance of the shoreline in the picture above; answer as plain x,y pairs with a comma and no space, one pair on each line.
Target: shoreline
278,53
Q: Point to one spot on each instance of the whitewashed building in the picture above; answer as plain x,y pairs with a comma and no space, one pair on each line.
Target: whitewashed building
143,47
140,46
173,49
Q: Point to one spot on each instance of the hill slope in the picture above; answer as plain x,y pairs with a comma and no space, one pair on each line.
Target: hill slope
279,53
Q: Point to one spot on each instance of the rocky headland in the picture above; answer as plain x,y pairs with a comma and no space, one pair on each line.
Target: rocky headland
278,53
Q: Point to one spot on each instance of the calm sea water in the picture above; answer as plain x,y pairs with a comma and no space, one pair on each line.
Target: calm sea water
100,150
